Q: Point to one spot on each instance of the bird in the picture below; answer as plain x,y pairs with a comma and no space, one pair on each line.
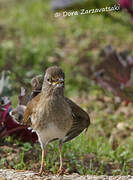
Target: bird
36,84
54,116
17,113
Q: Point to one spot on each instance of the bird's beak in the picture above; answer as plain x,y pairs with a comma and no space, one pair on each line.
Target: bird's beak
60,82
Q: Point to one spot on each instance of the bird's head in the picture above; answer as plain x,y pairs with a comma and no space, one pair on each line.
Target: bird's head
54,79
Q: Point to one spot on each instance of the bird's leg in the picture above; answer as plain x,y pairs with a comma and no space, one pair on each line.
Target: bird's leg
60,148
42,169
61,170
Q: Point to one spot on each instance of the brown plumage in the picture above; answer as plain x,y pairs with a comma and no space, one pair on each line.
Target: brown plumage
36,84
53,115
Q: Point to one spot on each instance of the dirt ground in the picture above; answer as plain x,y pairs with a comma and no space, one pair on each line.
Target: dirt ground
8,174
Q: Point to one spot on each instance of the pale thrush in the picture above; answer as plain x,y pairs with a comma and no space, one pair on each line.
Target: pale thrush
54,116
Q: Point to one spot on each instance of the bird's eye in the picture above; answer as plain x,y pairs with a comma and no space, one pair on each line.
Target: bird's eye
49,80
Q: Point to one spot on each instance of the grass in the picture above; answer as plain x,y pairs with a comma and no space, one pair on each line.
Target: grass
31,40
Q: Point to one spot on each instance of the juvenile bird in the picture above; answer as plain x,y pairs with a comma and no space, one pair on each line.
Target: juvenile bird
54,116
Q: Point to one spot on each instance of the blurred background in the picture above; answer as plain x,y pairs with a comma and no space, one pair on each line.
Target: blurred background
95,51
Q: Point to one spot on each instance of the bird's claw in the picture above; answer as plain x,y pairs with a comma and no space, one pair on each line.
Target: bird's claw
43,172
61,171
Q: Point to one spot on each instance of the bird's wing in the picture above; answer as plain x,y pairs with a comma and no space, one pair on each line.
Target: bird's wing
29,108
81,121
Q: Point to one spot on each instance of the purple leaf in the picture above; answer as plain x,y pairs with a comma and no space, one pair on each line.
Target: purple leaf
13,128
114,74
125,3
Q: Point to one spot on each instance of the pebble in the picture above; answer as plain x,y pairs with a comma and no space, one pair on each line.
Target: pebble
9,174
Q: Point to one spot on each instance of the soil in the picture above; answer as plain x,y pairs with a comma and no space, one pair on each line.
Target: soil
8,174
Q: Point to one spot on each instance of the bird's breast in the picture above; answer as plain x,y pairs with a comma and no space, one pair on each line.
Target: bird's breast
54,111
50,133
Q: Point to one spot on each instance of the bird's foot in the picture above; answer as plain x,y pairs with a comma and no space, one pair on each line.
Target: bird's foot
43,172
61,171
